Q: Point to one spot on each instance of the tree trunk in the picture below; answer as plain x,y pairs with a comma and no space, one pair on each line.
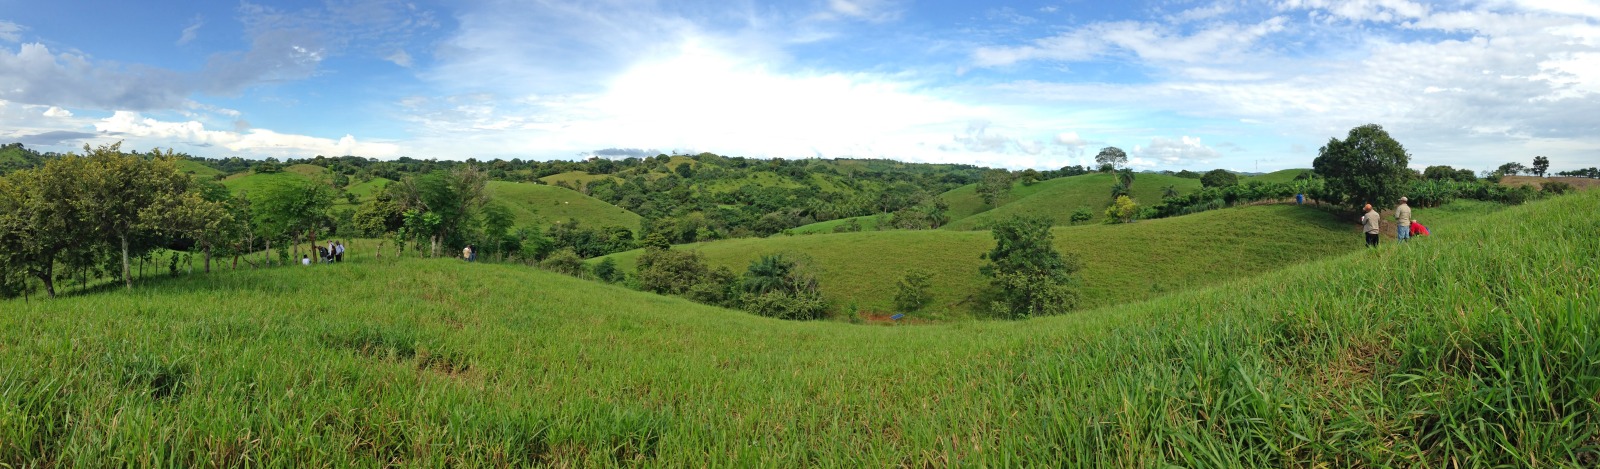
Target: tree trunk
313,236
126,279
268,256
208,258
46,276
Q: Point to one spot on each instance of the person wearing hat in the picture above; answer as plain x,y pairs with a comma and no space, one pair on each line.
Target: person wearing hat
1369,223
1402,216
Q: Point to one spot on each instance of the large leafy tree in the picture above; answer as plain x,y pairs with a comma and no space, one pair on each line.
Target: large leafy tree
1368,166
1027,275
292,208
995,185
117,188
39,218
1541,165
1219,178
1111,158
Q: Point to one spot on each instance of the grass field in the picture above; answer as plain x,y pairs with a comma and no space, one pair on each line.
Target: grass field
1538,182
576,179
1477,349
540,206
1056,198
868,223
1121,262
1276,177
198,169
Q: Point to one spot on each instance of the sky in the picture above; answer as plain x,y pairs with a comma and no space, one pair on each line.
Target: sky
1177,84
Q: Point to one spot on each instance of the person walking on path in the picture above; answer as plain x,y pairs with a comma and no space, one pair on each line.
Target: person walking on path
1369,223
1402,216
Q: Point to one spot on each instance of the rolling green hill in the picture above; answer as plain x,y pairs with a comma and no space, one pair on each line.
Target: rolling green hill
868,223
253,182
540,205
1475,347
1056,198
1121,262
198,169
576,179
1281,176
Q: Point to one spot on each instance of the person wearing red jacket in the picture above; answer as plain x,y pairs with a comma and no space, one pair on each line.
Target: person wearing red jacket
1417,229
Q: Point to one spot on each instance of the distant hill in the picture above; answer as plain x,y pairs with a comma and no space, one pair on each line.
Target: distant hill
1281,176
868,223
541,205
1058,198
1122,263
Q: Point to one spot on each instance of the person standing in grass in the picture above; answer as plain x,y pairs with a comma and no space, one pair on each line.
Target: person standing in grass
338,252
1402,216
1369,222
305,259
466,253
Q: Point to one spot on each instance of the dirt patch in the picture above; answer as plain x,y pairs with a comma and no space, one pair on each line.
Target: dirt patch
879,318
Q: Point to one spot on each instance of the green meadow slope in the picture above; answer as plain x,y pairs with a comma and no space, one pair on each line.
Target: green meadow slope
1121,262
1280,176
1475,347
540,205
1056,198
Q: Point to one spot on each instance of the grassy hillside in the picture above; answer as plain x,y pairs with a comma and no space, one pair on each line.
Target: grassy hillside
1121,262
868,223
1280,176
254,182
365,190
1478,348
538,205
576,179
1057,198
198,169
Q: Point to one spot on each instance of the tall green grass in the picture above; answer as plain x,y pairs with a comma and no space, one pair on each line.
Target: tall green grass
1474,349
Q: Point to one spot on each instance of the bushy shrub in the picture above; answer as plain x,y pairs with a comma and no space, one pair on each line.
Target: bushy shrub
782,287
1557,188
607,271
669,271
1028,277
564,261
913,292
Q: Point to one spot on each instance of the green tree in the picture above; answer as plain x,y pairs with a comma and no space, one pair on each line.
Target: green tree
564,261
912,291
1028,277
1511,169
606,270
292,209
781,287
117,188
995,185
39,218
1123,210
1367,166
1541,165
1112,158
1219,178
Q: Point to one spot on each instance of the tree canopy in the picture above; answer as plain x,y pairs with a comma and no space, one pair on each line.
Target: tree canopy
1368,166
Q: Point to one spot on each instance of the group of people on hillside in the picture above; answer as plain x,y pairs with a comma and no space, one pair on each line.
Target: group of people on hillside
334,252
1405,226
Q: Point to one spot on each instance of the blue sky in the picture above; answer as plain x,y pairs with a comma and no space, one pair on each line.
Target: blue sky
1179,84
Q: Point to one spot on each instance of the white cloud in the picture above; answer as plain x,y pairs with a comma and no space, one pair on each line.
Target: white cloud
254,142
191,32
400,57
1184,151
10,32
1382,11
57,112
1224,43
